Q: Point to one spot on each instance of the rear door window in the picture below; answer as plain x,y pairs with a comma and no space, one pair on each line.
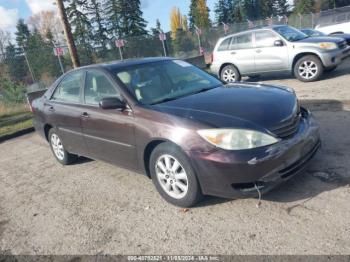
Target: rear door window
243,41
69,88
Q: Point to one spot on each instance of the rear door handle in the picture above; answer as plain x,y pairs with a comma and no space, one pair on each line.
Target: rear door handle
233,53
85,115
258,51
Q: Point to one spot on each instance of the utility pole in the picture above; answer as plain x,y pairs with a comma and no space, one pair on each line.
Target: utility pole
68,34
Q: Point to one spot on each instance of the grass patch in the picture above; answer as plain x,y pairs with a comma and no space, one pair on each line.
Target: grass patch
9,129
13,110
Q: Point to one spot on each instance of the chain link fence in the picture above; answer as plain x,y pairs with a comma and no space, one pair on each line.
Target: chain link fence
41,66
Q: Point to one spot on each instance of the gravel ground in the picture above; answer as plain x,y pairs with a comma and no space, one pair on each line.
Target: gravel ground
92,207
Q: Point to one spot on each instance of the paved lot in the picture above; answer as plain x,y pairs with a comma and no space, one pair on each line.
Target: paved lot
92,207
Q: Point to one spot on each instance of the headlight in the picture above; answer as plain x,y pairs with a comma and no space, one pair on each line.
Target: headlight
236,139
327,45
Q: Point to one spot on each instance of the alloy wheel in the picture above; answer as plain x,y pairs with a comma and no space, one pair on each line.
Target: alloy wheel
308,69
57,146
171,176
229,75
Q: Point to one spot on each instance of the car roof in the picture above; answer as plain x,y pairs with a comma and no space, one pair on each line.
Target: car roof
257,28
117,64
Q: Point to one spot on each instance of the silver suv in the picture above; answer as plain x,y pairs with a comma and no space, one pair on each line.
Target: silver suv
277,48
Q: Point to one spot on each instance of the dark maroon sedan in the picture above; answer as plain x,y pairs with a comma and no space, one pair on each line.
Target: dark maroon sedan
185,129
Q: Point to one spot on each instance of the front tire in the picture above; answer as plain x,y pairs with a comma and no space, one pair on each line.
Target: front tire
230,74
308,68
58,150
173,176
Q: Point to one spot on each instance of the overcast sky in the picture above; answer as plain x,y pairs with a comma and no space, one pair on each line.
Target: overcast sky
12,10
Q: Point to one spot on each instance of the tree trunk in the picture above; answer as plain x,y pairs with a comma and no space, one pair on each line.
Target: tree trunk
68,34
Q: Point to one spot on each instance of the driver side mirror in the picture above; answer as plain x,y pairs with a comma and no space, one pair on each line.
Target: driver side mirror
278,43
112,103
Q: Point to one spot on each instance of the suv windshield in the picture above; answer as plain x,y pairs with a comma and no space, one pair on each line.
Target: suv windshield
290,33
157,82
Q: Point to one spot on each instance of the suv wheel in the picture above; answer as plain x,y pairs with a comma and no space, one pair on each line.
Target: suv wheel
58,150
173,176
308,68
230,74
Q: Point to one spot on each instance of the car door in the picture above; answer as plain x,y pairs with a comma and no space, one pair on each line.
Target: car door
63,111
269,56
241,52
109,133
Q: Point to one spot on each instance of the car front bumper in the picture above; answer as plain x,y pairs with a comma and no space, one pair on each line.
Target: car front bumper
236,174
334,58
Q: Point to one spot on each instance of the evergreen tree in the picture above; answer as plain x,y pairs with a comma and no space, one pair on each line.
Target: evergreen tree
199,14
223,11
124,18
15,63
281,7
304,6
136,25
155,30
22,33
80,22
95,11
113,16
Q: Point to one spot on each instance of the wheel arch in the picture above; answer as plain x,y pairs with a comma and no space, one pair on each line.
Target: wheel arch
298,56
226,64
149,149
47,128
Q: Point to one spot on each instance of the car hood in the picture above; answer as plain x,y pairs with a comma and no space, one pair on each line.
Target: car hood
252,106
320,39
345,36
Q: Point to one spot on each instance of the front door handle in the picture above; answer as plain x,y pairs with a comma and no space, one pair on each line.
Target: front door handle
258,51
233,53
85,115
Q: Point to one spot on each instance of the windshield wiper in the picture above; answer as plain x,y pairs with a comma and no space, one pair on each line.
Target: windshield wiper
165,100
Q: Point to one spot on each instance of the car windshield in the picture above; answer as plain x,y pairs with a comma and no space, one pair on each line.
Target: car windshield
290,33
161,81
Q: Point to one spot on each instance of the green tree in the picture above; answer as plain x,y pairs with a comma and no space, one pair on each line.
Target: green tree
99,33
79,20
281,7
22,33
304,6
136,25
15,63
113,17
223,11
199,14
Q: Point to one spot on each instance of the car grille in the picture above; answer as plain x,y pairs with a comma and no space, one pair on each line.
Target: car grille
342,45
288,127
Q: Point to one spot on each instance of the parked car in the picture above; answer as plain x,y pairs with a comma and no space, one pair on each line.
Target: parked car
313,32
343,27
182,127
274,49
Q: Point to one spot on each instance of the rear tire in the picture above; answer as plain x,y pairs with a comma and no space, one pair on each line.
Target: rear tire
230,74
173,176
308,68
58,150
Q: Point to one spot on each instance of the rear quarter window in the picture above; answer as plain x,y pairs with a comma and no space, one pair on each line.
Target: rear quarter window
225,44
